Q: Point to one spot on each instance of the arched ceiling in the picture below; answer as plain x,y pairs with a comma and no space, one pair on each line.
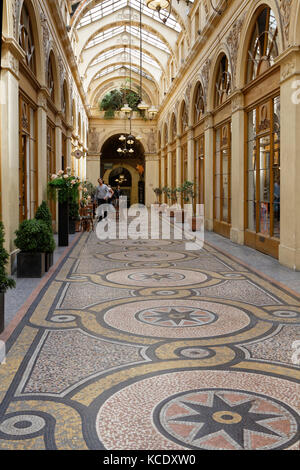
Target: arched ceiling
107,33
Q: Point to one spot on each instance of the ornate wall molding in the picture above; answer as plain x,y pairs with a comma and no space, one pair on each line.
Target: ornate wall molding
208,122
205,72
233,42
285,9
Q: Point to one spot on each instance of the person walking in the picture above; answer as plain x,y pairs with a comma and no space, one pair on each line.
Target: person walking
102,195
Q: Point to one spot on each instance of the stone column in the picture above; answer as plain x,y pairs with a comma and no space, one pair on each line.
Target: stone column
11,54
58,142
289,249
237,168
209,172
162,168
152,177
178,161
169,156
42,145
93,168
191,156
69,147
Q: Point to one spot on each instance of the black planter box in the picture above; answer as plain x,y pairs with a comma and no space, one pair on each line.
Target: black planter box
71,226
48,261
63,224
1,312
30,264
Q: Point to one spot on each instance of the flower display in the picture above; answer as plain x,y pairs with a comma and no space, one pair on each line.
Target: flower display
65,186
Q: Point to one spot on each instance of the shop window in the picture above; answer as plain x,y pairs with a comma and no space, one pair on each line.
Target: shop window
263,169
27,161
222,174
199,169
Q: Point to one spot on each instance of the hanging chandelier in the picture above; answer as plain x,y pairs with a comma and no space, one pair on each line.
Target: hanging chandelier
159,5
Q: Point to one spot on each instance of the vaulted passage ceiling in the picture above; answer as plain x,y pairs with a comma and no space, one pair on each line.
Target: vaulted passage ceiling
110,45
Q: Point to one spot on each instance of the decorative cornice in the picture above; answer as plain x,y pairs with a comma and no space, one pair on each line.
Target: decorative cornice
237,101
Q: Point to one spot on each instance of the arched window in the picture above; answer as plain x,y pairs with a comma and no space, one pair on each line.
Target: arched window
173,128
26,39
50,77
263,47
184,118
158,140
223,81
64,100
199,105
165,134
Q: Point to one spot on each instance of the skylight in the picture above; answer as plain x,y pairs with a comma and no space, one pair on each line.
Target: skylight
109,6
125,56
113,68
135,31
104,35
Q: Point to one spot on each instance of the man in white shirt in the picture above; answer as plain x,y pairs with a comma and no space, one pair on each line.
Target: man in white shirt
102,194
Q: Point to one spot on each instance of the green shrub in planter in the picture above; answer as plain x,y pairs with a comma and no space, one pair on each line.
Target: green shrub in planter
5,281
73,216
34,240
43,213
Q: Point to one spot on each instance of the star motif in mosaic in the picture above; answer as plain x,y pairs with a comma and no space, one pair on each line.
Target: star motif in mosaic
143,255
237,421
159,277
176,316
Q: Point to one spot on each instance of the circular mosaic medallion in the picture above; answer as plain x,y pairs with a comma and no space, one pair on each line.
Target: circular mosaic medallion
194,353
196,409
286,314
147,256
177,318
22,425
161,277
226,418
141,243
62,318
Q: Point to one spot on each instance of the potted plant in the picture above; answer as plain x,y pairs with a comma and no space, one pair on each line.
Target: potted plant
5,281
167,191
66,187
33,240
189,194
43,213
73,216
158,193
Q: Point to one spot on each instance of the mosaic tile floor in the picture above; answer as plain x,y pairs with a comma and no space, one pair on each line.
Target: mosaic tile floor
136,344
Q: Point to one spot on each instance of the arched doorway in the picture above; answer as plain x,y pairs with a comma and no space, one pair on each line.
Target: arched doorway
120,176
127,167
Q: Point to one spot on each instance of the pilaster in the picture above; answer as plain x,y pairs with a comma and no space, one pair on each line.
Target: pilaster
209,171
42,145
289,249
178,161
237,168
152,177
11,54
191,159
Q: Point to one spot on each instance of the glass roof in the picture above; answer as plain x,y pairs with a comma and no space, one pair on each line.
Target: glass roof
104,35
112,68
109,6
125,52
134,30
